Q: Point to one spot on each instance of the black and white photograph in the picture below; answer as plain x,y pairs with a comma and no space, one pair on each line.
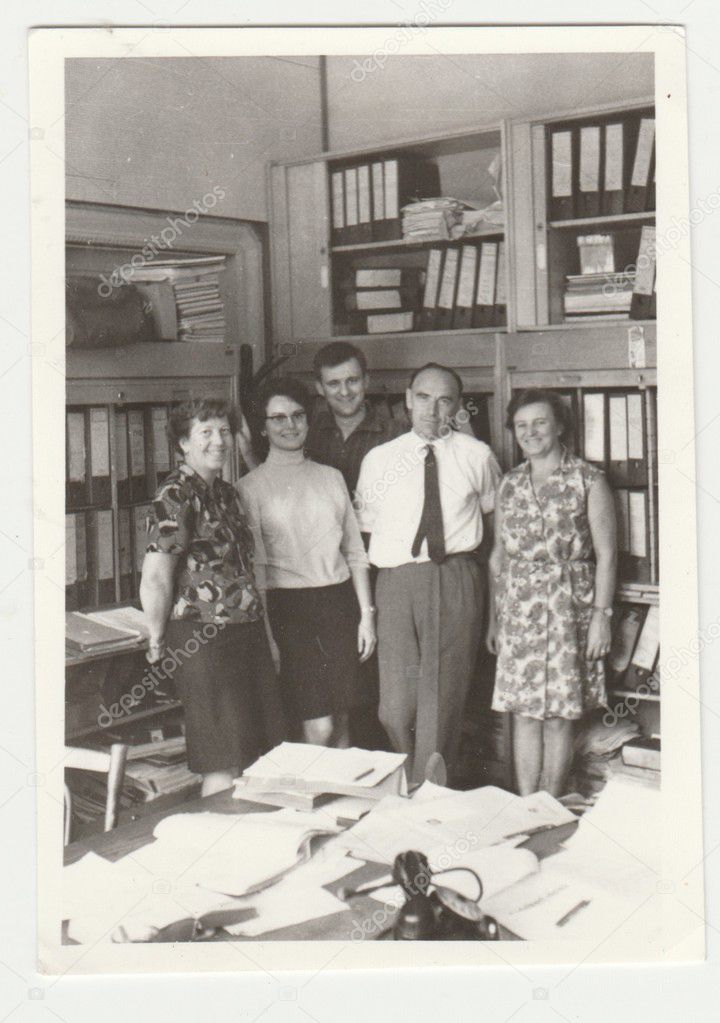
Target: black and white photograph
368,357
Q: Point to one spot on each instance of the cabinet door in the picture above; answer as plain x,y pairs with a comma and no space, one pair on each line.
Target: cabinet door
299,251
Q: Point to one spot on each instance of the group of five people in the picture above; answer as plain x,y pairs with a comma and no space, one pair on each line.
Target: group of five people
357,532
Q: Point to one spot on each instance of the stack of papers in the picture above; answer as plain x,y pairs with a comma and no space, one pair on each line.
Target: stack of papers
431,218
89,636
457,822
304,768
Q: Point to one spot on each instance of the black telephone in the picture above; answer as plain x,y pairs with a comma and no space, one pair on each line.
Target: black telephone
438,915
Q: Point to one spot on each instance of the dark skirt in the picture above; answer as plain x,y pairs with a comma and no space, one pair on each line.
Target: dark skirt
315,629
229,693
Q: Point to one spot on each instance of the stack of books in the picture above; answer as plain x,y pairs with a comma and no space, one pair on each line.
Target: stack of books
199,308
431,218
598,296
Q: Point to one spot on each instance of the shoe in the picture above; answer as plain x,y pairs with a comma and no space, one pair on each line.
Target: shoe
436,770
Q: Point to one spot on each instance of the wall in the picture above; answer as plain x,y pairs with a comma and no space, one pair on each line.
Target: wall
425,95
160,133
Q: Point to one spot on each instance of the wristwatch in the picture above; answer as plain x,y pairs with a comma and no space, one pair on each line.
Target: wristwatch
607,611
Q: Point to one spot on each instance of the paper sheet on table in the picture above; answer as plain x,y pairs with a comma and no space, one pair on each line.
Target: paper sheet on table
480,817
498,866
299,896
232,854
123,901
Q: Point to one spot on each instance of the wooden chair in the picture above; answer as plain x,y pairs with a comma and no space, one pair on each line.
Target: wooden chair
111,763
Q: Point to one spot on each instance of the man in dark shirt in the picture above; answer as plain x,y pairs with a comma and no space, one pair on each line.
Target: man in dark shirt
341,437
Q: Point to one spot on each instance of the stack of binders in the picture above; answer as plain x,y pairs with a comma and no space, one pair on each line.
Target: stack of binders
601,169
465,286
381,300
367,198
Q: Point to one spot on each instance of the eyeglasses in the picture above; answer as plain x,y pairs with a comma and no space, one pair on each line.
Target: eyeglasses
296,418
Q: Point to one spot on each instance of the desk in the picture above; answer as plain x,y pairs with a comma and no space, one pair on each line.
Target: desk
342,926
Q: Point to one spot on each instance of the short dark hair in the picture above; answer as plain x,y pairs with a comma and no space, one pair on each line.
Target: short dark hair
533,395
183,414
335,354
444,369
283,387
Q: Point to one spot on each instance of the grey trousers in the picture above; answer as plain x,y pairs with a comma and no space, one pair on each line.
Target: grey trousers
429,622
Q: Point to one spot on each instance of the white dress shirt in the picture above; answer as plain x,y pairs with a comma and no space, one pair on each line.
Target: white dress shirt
391,491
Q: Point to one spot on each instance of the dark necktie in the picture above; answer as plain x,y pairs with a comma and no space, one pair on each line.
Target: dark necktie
431,522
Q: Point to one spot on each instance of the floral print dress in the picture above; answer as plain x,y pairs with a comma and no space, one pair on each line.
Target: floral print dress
545,596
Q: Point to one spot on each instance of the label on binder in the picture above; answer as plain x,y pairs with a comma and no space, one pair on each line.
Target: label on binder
501,284
638,528
561,164
161,446
392,199
447,288
70,551
99,449
351,197
635,426
363,184
381,299
136,433
76,447
378,191
590,158
643,153
121,453
645,274
613,157
466,284
432,281
338,201
594,427
486,277
637,358
104,545
618,429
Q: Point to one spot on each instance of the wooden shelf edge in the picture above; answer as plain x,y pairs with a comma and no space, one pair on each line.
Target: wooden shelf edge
607,218
408,243
423,334
129,719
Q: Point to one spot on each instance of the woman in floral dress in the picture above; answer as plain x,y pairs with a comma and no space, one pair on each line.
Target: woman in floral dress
552,571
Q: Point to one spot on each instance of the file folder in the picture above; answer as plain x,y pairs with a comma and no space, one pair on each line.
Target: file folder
501,287
386,299
622,512
467,280
99,456
383,277
378,199
613,196
637,460
76,477
338,207
352,230
588,198
102,556
140,515
433,276
75,561
562,175
138,458
448,289
643,304
161,443
365,226
122,475
390,323
125,554
594,428
617,415
625,637
484,311
636,195
646,651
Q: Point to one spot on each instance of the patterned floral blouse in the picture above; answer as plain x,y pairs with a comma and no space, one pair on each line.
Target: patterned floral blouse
545,597
206,524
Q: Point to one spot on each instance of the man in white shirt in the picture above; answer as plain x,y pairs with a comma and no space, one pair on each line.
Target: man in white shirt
426,499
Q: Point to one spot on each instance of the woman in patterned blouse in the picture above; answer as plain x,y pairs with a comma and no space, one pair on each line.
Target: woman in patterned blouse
552,570
202,604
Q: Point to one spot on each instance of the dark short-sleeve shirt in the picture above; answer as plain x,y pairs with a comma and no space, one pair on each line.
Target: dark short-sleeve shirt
325,443
207,527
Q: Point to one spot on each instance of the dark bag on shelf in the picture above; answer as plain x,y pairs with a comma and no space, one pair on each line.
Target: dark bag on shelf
95,320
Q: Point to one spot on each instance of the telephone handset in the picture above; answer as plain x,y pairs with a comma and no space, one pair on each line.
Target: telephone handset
438,915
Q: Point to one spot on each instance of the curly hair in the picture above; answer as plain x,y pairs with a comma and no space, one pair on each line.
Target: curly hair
186,412
531,396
